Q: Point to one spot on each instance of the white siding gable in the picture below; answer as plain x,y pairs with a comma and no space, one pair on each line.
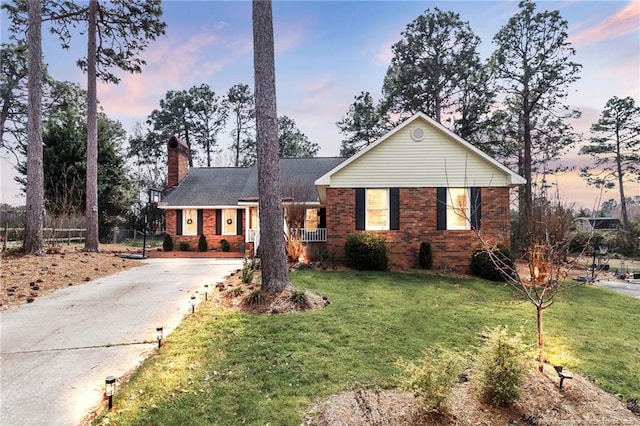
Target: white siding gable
438,159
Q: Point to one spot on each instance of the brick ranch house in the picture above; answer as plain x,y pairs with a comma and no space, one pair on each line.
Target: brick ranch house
419,182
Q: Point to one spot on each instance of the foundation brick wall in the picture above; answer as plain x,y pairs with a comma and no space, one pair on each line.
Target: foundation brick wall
451,249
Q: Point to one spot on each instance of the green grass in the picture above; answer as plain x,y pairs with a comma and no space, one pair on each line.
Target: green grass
152,242
228,368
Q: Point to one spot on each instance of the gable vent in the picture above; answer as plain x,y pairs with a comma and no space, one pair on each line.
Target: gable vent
417,134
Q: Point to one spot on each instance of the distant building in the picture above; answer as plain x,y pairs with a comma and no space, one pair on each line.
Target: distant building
587,224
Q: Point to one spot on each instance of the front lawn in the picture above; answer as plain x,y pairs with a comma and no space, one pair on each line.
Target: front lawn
228,368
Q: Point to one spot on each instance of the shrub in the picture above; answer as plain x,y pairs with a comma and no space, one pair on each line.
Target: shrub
482,266
167,243
225,245
294,247
425,258
432,378
247,271
299,297
625,241
202,243
325,259
255,298
501,366
184,246
366,251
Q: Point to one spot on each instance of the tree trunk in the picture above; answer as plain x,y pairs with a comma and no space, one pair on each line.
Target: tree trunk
188,141
35,171
527,213
623,202
539,310
275,274
238,127
91,207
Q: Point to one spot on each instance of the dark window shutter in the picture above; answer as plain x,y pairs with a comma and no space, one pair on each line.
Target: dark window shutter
322,217
394,208
360,213
239,221
218,222
441,208
476,207
178,222
200,220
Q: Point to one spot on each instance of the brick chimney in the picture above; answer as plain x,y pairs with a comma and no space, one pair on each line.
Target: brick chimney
178,161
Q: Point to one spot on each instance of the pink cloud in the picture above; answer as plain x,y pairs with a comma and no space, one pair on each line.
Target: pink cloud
385,54
623,22
290,36
172,64
319,89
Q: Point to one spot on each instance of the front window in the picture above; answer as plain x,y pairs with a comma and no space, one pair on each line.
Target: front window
377,209
253,218
311,219
458,208
190,222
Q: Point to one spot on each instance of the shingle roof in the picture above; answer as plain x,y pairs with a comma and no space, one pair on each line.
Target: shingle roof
226,186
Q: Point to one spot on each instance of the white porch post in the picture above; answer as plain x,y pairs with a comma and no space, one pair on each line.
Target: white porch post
247,222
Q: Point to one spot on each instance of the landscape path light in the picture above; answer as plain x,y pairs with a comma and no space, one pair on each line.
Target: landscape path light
159,331
109,389
193,304
206,292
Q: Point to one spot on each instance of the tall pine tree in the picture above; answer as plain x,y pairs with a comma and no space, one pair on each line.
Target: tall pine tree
615,149
533,67
275,273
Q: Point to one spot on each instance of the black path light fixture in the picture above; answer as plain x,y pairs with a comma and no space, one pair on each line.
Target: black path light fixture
154,199
159,332
206,292
193,304
110,389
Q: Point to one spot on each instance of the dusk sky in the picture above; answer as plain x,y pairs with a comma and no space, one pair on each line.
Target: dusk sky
327,52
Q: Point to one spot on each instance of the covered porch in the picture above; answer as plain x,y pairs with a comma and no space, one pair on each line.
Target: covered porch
305,223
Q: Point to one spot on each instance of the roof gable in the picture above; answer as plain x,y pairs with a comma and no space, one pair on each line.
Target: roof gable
438,158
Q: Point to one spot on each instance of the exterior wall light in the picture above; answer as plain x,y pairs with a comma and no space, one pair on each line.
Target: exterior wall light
159,332
110,389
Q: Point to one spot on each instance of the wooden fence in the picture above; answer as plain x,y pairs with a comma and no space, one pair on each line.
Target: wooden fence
13,236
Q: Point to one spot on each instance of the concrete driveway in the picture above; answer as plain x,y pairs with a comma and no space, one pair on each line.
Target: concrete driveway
630,288
56,353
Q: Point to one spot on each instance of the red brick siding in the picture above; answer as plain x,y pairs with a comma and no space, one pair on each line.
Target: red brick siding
209,229
313,251
451,249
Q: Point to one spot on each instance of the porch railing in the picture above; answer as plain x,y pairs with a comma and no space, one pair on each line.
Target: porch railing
305,235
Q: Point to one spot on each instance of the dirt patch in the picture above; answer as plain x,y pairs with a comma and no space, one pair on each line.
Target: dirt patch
580,402
232,293
24,278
